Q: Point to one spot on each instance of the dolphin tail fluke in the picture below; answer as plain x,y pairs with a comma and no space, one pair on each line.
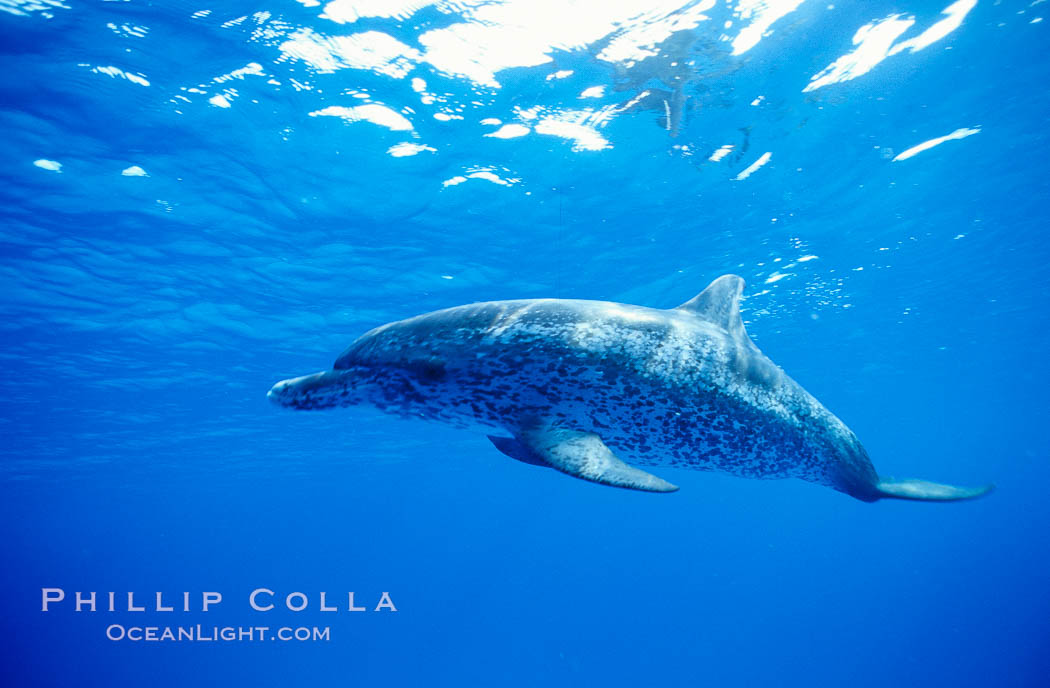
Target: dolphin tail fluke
924,491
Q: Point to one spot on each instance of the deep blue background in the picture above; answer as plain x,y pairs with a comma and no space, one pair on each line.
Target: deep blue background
144,318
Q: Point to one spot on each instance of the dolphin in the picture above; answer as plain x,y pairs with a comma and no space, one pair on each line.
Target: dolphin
596,389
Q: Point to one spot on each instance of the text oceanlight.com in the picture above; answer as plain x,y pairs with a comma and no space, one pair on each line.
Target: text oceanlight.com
200,633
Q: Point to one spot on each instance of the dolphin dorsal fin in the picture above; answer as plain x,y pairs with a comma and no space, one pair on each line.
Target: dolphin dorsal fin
720,304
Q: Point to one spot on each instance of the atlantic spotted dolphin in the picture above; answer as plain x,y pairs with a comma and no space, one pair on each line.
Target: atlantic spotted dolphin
595,389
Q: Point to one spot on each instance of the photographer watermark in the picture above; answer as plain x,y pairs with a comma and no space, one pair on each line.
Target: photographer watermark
259,601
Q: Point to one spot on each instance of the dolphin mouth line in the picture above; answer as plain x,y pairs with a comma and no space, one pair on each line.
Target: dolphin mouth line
317,390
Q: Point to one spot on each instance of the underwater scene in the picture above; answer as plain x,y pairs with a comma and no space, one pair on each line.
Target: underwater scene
525,343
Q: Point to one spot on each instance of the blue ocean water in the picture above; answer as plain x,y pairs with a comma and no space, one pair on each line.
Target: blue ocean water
201,199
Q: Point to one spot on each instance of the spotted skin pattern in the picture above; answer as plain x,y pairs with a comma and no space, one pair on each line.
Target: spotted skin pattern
684,387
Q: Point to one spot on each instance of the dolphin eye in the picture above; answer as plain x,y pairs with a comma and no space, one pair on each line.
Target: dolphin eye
430,369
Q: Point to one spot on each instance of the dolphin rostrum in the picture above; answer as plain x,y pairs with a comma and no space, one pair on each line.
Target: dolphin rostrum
576,385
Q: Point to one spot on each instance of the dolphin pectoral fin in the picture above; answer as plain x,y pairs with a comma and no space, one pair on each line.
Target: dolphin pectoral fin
518,451
923,491
584,455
